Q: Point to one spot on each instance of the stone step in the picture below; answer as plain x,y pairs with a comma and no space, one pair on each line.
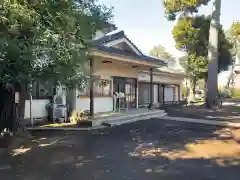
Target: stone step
98,121
130,119
133,114
123,116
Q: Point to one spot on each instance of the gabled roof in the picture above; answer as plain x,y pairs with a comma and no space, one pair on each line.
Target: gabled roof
99,45
109,38
113,37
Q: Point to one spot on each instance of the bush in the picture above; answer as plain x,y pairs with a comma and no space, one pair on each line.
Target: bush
225,94
235,93
78,116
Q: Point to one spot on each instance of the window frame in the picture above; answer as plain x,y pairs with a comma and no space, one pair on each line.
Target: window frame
36,95
98,85
85,91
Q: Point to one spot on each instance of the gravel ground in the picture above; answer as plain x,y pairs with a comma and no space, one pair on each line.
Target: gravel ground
153,149
230,112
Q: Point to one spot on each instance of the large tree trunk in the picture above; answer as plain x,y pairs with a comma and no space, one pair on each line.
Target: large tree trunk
7,114
19,128
11,113
205,90
212,92
192,89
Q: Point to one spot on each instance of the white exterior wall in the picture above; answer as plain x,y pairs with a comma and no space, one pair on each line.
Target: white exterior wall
181,86
114,69
101,104
168,94
155,93
176,89
38,108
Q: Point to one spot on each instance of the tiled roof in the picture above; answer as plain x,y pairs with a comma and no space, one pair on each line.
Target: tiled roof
113,50
98,44
115,36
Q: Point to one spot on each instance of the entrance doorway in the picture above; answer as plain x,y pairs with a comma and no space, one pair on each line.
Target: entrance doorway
128,87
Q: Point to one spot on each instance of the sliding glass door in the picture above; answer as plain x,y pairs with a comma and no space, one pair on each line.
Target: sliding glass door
130,93
128,87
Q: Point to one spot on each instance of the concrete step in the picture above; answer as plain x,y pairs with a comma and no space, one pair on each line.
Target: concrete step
129,119
123,116
134,114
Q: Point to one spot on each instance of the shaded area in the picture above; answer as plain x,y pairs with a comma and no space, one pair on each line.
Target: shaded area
154,149
229,112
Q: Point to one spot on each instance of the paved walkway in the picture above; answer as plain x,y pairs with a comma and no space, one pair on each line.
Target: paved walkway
153,149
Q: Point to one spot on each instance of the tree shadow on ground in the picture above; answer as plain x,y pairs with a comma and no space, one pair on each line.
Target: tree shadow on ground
153,149
229,112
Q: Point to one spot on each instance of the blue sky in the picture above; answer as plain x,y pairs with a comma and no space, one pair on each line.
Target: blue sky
144,22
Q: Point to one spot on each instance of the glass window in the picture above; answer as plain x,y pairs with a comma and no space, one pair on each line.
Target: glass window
103,87
83,89
42,90
45,90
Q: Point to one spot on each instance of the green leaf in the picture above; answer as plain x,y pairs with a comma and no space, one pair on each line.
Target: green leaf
182,7
48,39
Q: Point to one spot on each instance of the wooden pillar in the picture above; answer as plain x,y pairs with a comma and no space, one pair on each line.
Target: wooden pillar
91,87
163,93
179,99
174,93
136,89
151,89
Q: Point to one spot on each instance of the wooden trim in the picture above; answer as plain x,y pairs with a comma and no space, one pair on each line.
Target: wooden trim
83,97
158,87
163,94
168,74
123,40
124,58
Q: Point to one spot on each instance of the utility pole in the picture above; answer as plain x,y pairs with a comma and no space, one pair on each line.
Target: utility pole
30,105
212,85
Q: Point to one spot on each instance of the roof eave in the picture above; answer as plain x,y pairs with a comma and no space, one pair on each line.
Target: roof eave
158,63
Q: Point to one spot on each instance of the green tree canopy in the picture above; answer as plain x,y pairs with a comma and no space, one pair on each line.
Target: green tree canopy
44,40
234,37
191,35
186,8
47,39
235,30
179,7
160,52
195,66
